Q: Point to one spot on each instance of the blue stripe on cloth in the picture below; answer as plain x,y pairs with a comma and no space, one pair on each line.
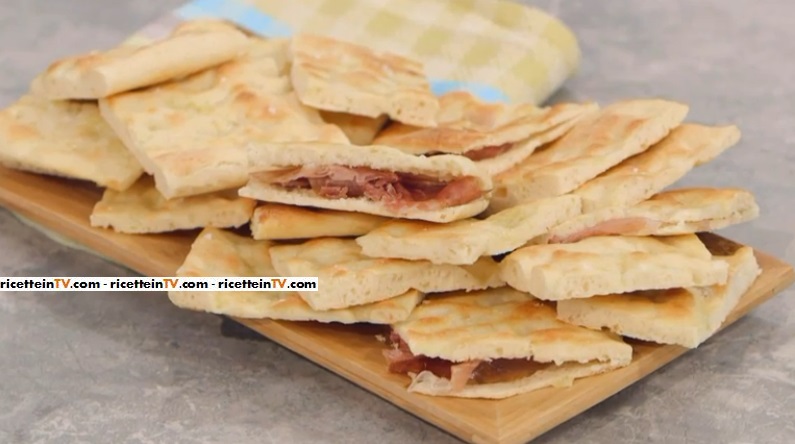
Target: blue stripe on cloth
245,15
258,22
486,93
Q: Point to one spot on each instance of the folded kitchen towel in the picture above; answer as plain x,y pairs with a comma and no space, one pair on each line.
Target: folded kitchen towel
496,49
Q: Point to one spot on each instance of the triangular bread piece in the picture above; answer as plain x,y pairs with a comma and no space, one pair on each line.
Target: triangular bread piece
191,134
682,316
282,222
496,136
192,47
377,180
67,139
639,177
336,75
674,212
596,143
349,278
612,264
360,130
495,344
142,209
224,254
464,242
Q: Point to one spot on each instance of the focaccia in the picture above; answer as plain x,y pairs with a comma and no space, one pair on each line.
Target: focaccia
612,264
496,136
465,241
376,180
142,209
280,222
335,75
639,177
224,254
495,344
192,47
67,139
191,134
348,278
680,316
597,142
674,212
360,130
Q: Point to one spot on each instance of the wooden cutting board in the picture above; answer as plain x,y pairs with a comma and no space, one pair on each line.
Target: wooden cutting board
64,206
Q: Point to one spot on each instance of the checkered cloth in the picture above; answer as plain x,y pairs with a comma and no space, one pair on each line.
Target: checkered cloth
498,50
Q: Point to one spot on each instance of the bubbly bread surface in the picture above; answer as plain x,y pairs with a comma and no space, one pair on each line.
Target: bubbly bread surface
142,209
193,46
67,139
334,75
221,253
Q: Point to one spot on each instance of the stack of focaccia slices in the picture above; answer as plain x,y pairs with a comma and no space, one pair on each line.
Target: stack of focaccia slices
506,247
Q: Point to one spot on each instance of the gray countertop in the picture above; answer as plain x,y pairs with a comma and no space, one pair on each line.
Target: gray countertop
131,368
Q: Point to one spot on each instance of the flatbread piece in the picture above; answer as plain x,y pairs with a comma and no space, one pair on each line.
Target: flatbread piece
224,254
192,47
142,209
349,278
67,139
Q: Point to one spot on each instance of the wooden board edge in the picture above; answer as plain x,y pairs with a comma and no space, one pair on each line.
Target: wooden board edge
780,276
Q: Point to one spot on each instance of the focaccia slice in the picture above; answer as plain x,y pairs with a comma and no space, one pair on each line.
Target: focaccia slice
192,47
595,144
612,264
335,75
495,344
191,134
281,222
348,278
360,130
142,209
465,241
67,139
680,316
376,180
496,136
674,212
640,177
224,254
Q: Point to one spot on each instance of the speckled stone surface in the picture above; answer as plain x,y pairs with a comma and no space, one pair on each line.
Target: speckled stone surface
130,368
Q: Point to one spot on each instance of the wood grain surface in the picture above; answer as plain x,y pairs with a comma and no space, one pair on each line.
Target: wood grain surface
63,206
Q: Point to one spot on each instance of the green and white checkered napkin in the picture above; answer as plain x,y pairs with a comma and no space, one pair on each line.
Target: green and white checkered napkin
496,49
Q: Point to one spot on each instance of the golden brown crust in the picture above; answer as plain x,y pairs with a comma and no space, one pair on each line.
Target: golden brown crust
278,222
192,46
466,123
683,316
641,176
65,138
335,75
221,253
191,134
142,209
612,264
502,323
595,144
349,278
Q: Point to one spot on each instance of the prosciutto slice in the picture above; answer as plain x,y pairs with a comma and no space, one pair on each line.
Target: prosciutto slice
401,360
392,188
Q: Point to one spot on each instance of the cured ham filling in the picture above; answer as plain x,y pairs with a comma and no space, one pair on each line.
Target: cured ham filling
401,360
488,152
392,188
